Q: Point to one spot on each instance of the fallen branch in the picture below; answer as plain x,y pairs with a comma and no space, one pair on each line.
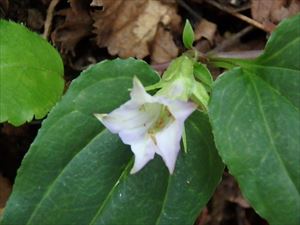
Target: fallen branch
49,17
246,19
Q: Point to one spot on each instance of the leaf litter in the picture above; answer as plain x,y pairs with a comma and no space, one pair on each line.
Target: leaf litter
129,28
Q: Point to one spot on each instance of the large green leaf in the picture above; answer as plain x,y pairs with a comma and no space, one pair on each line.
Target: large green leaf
282,49
255,116
77,172
31,73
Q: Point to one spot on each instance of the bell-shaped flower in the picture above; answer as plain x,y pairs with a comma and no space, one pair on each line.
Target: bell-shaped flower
149,124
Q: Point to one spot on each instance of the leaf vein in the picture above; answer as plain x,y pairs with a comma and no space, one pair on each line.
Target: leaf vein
269,133
50,187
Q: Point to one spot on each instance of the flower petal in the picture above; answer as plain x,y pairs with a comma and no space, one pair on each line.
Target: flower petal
129,116
131,136
134,119
168,143
179,109
139,94
144,151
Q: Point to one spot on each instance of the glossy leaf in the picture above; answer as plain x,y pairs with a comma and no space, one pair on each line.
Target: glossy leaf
77,172
255,114
188,35
31,74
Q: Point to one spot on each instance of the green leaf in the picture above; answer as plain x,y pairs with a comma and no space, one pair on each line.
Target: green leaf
282,49
255,114
188,35
77,172
202,74
31,74
200,95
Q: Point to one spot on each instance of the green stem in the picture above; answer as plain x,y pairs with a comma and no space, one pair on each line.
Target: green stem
228,63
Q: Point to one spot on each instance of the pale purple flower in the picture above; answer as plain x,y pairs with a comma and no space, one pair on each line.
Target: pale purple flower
149,124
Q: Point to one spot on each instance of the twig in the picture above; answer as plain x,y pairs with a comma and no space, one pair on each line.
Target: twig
231,41
49,17
195,14
239,55
252,22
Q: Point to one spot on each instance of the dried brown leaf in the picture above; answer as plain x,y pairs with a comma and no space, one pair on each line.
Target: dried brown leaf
261,9
164,49
283,9
273,11
108,20
35,19
96,3
80,6
76,26
168,1
127,28
205,29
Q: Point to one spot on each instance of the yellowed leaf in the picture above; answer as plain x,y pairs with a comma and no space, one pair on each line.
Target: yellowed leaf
127,28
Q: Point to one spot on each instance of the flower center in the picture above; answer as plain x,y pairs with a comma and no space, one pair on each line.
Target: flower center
164,118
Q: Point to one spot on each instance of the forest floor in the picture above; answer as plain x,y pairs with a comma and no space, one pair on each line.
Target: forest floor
88,31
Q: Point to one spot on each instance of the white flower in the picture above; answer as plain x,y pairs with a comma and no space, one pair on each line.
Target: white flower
150,124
